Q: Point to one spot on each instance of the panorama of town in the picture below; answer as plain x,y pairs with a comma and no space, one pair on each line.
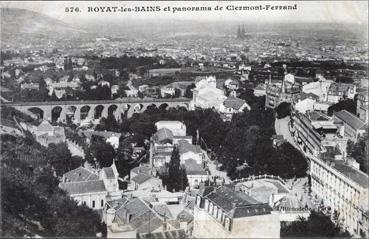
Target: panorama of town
248,134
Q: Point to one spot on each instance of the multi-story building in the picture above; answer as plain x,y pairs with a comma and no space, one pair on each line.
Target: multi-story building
232,105
362,108
343,189
206,94
339,91
224,213
353,126
314,131
92,188
278,93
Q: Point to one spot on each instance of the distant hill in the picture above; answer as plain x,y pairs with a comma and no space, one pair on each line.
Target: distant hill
17,22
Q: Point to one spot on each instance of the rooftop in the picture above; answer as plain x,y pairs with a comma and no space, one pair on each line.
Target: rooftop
184,146
163,135
141,178
83,187
193,168
80,174
349,119
109,172
234,103
237,204
355,175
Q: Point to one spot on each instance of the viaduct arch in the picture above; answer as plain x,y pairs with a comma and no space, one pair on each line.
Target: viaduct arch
94,109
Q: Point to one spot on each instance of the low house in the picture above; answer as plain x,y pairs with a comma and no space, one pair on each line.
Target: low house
190,151
196,173
131,93
30,86
176,127
143,181
233,105
353,126
167,91
339,91
260,90
92,188
46,134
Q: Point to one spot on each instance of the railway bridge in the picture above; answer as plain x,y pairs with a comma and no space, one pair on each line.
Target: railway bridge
94,109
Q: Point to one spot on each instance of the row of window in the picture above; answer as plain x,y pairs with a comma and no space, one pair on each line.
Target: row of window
215,212
94,203
336,183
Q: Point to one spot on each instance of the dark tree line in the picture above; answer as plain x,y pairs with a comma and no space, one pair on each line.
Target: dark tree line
32,202
175,178
316,225
359,151
347,104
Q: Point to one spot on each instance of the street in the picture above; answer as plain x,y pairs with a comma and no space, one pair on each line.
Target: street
282,128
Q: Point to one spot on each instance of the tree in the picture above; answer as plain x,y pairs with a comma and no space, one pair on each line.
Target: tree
188,92
176,178
347,104
102,151
317,225
32,203
283,110
359,151
60,158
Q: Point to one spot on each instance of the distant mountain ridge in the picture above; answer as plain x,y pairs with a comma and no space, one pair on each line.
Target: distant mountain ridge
21,21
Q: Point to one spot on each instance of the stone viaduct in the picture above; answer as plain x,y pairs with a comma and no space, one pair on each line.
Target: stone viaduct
93,109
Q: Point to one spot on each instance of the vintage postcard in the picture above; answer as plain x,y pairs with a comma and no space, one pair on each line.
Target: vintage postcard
184,119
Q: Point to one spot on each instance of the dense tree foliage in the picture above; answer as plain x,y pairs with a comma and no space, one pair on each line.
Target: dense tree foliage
283,110
347,104
188,92
32,202
359,151
243,146
175,178
317,225
100,153
60,158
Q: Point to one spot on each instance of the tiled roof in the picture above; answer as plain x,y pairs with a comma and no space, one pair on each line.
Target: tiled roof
234,103
205,190
184,147
109,172
227,198
142,218
134,207
184,216
116,204
237,204
83,187
163,135
162,210
80,174
317,116
355,175
45,126
349,119
193,168
141,169
250,210
141,178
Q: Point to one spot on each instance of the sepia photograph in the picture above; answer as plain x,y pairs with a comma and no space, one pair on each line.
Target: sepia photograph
184,119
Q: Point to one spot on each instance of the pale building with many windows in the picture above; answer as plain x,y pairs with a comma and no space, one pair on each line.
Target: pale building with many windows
224,213
343,188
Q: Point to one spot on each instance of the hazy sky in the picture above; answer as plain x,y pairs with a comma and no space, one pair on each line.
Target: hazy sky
308,11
